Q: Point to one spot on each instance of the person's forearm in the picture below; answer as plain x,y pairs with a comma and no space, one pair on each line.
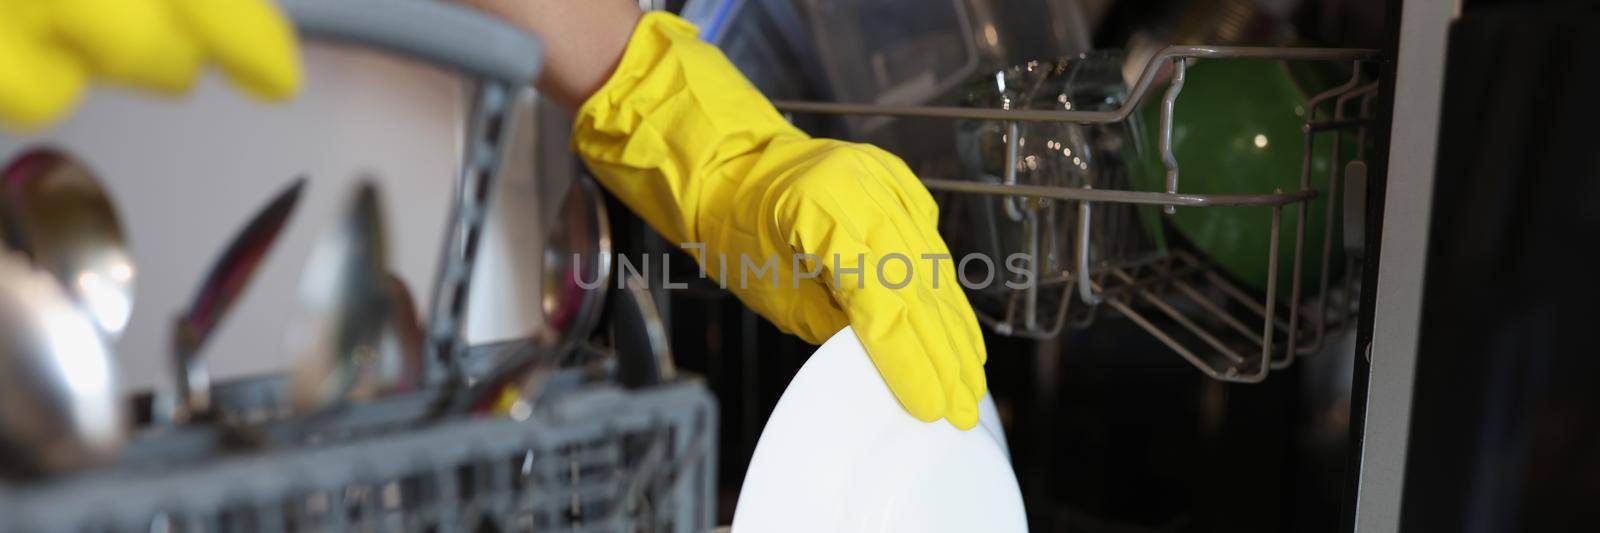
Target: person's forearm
584,39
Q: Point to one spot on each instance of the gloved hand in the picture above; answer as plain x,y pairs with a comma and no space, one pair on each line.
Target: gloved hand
51,49
684,140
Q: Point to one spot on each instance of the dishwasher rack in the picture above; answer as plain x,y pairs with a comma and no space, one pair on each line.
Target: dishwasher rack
590,457
582,454
1180,298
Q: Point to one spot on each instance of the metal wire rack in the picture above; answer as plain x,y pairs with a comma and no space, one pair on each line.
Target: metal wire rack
1188,303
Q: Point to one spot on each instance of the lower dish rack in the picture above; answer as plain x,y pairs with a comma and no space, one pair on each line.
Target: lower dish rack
593,457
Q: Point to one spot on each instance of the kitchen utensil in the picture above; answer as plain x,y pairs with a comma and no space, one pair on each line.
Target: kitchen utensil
1237,130
346,304
577,254
59,408
53,209
840,454
639,336
393,363
222,284
401,365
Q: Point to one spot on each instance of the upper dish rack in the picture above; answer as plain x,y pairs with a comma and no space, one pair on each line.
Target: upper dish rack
1225,330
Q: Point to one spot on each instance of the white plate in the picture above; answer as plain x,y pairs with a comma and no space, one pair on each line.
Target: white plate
840,454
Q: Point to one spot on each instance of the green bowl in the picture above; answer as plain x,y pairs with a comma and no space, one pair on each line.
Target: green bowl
1237,130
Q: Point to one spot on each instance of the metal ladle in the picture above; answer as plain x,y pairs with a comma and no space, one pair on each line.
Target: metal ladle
59,408
347,309
400,348
53,209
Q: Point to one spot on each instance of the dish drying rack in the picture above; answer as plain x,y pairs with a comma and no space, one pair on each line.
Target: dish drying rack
585,454
1180,298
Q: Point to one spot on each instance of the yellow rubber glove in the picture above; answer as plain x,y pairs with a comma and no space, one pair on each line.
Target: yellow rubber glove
51,49
684,140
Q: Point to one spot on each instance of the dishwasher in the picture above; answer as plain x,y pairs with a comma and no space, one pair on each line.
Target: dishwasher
1151,379
1191,347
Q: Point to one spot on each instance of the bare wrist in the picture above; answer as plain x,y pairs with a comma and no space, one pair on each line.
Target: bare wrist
584,40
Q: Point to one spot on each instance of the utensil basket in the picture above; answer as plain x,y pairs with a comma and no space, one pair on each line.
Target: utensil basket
1188,303
591,457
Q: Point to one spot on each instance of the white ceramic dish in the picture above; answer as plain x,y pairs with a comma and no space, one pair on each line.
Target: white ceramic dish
840,454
